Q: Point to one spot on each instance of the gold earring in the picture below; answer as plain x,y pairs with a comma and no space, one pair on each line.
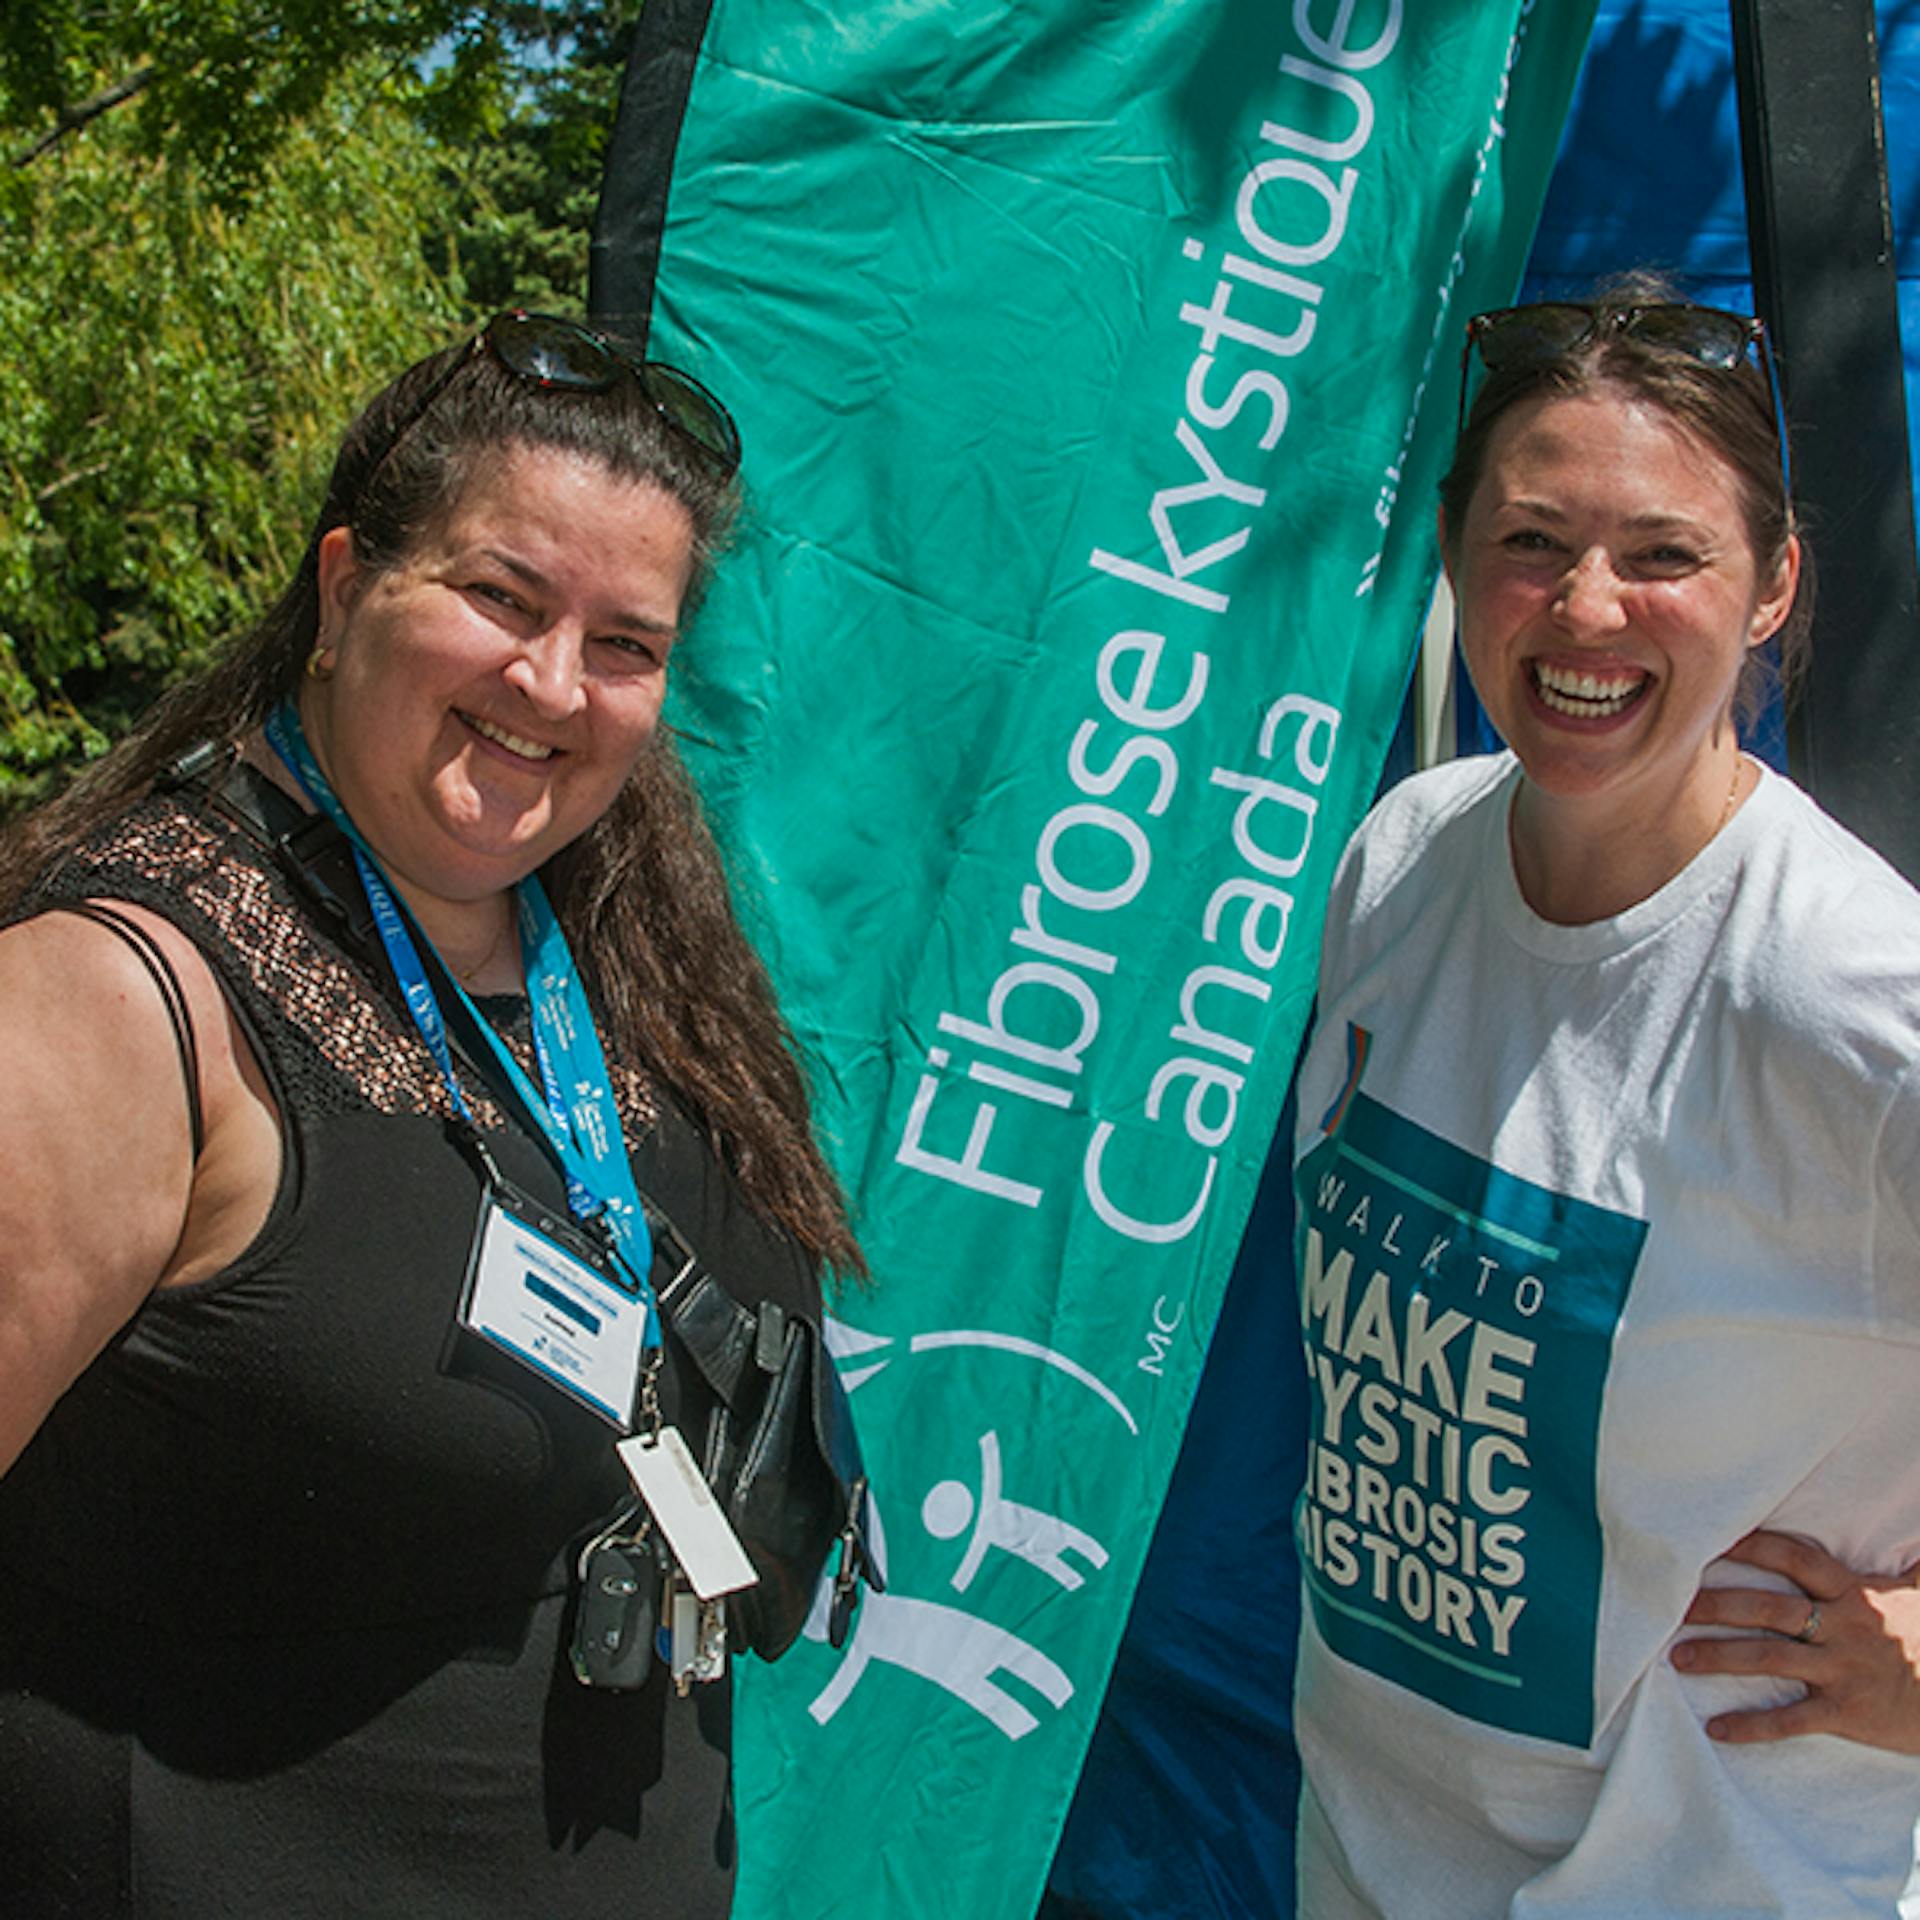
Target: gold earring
320,662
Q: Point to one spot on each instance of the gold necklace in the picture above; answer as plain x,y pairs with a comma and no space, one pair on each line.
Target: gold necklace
467,975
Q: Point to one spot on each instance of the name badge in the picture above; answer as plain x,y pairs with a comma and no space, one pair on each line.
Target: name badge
540,1289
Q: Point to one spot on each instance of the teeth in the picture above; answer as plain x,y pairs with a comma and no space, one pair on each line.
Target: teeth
527,749
1585,695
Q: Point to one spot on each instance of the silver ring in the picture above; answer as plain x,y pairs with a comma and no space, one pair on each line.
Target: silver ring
1806,1634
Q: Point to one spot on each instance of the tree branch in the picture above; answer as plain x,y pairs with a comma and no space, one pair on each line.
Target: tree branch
76,116
73,479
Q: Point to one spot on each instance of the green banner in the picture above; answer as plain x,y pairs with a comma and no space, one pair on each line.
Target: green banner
1095,361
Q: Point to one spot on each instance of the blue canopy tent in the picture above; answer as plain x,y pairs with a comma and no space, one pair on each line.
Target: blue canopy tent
1185,1805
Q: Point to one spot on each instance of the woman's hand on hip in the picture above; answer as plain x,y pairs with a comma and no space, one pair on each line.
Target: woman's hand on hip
1852,1639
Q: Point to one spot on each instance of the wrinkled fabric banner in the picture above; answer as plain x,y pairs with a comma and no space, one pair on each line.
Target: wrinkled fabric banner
1095,360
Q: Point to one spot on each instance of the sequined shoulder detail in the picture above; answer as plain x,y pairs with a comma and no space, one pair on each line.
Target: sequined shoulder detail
327,1018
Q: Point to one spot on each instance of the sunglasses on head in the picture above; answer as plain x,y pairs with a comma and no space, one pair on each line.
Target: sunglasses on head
1514,337
550,352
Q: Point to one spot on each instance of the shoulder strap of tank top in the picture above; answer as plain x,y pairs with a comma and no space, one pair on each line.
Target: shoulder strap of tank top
173,995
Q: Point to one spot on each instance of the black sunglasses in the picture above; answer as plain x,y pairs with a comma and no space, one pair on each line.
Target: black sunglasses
550,352
1510,337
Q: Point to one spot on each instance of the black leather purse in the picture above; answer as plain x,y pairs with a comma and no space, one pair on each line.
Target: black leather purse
780,1450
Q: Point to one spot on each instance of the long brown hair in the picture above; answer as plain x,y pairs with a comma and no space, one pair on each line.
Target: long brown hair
643,894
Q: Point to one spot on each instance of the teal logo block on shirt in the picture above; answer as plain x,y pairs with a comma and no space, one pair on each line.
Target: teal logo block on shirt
1458,1324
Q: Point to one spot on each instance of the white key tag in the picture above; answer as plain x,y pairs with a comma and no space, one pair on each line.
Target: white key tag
704,1544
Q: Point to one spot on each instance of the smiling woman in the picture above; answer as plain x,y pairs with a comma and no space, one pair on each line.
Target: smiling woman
1609,599
1623,1034
480,705
371,1015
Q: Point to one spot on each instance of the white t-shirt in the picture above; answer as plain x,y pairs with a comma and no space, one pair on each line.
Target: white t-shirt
1609,1254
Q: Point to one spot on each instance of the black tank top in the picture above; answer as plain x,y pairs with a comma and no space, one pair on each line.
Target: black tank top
284,1577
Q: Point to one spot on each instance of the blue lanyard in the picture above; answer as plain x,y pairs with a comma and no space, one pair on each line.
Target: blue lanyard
574,1107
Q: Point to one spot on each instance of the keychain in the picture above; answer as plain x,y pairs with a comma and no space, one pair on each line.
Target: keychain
702,1556
620,1573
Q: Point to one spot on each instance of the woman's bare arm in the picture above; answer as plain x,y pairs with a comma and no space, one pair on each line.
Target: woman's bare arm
100,1196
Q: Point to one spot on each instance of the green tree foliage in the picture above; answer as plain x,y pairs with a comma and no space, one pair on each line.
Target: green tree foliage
173,376
523,203
218,84
207,271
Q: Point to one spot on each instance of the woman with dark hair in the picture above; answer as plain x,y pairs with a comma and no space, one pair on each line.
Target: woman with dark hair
382,1052
1610,1255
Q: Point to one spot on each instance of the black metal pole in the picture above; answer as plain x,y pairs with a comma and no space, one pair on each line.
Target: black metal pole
1821,229
623,255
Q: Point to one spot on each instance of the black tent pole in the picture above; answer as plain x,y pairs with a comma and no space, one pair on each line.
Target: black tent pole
1821,229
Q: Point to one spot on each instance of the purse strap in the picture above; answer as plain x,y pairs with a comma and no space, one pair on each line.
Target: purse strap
307,847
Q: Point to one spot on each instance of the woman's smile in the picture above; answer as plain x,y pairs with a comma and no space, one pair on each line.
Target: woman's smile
515,744
1580,695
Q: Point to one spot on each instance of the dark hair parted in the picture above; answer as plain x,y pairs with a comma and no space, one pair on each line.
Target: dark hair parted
643,894
1728,410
